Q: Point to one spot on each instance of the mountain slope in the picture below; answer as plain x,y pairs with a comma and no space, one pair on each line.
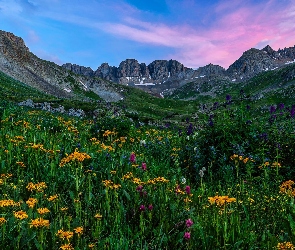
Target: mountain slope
18,62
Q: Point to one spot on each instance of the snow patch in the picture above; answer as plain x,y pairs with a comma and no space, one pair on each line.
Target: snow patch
67,90
144,84
85,87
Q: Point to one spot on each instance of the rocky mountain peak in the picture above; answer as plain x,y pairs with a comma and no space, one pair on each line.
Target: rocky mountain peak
13,46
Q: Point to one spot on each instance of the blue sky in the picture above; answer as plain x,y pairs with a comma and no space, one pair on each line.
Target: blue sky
194,32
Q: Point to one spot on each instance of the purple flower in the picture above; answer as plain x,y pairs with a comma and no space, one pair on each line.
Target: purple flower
188,189
281,106
189,130
150,207
143,166
132,158
228,97
187,235
139,188
292,111
272,109
141,208
189,223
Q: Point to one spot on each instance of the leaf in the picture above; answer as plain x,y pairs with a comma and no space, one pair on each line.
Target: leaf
127,195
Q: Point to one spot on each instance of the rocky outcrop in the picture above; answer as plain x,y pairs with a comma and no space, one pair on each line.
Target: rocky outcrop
105,71
80,70
255,61
48,107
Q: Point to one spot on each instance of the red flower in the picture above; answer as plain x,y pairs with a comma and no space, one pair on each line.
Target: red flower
132,158
143,166
188,189
189,223
187,235
141,208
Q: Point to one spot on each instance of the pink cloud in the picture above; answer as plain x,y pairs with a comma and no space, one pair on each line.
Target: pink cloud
237,30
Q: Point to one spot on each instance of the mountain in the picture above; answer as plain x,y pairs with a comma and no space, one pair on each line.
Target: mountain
160,78
165,76
19,63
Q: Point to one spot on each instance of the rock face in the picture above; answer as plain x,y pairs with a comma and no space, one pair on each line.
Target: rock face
47,107
19,63
163,75
254,61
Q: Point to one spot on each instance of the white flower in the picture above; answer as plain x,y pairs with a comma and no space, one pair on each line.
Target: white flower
201,173
183,180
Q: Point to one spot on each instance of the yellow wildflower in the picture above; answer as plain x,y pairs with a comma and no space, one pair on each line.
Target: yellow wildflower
43,211
20,215
31,202
39,222
64,234
2,221
78,230
67,247
285,246
98,216
52,197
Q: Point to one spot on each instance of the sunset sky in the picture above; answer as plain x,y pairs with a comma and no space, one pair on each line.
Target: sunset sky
194,32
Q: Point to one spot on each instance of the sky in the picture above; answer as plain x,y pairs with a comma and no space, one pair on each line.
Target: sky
193,32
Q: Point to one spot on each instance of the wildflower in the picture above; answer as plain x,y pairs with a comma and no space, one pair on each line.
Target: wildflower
183,180
141,208
201,173
67,247
221,200
187,235
132,158
64,234
78,230
39,187
228,98
76,156
139,188
150,207
91,245
189,223
281,106
98,216
285,246
7,203
43,210
20,215
143,166
188,189
52,197
2,221
39,222
64,209
31,202
272,109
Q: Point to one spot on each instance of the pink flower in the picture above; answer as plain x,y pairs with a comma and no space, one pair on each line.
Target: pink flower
139,188
132,158
143,166
141,208
189,223
187,235
150,207
188,189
